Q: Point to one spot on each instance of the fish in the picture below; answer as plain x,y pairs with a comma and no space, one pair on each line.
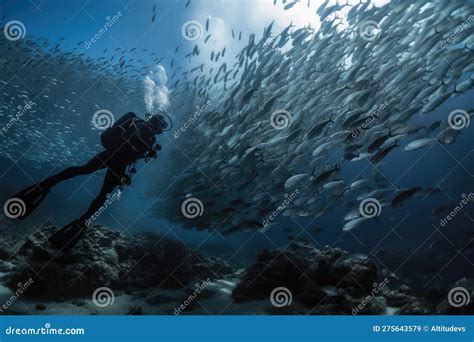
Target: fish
440,210
383,153
404,195
290,5
353,214
419,143
377,143
295,180
317,130
447,136
360,184
326,174
353,224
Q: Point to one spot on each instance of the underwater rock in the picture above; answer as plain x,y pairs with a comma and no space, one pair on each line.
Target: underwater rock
462,296
331,276
312,294
418,272
6,266
286,310
5,250
405,289
325,282
415,307
158,298
78,302
272,269
397,298
137,311
40,307
104,257
356,272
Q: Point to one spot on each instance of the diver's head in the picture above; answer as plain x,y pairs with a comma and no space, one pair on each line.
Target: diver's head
158,122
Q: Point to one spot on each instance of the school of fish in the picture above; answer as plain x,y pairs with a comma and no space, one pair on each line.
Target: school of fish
297,107
276,127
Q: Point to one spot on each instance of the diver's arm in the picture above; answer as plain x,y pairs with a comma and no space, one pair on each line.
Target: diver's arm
152,146
152,152
148,154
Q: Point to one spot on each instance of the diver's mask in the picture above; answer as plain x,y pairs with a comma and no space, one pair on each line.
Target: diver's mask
159,121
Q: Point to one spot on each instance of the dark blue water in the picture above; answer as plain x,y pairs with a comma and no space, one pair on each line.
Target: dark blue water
451,168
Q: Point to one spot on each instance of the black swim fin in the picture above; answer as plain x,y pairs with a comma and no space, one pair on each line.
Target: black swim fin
31,198
67,237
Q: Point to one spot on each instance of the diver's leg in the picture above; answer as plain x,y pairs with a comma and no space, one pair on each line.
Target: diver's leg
34,195
96,163
113,179
67,237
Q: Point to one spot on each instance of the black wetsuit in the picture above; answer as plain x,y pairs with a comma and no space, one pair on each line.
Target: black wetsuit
139,145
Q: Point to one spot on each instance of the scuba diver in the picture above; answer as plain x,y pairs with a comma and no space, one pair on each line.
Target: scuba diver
128,140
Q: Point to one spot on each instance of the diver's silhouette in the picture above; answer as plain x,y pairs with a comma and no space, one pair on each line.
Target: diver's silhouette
127,141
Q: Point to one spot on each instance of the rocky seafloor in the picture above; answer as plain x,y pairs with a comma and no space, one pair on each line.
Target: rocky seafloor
151,274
